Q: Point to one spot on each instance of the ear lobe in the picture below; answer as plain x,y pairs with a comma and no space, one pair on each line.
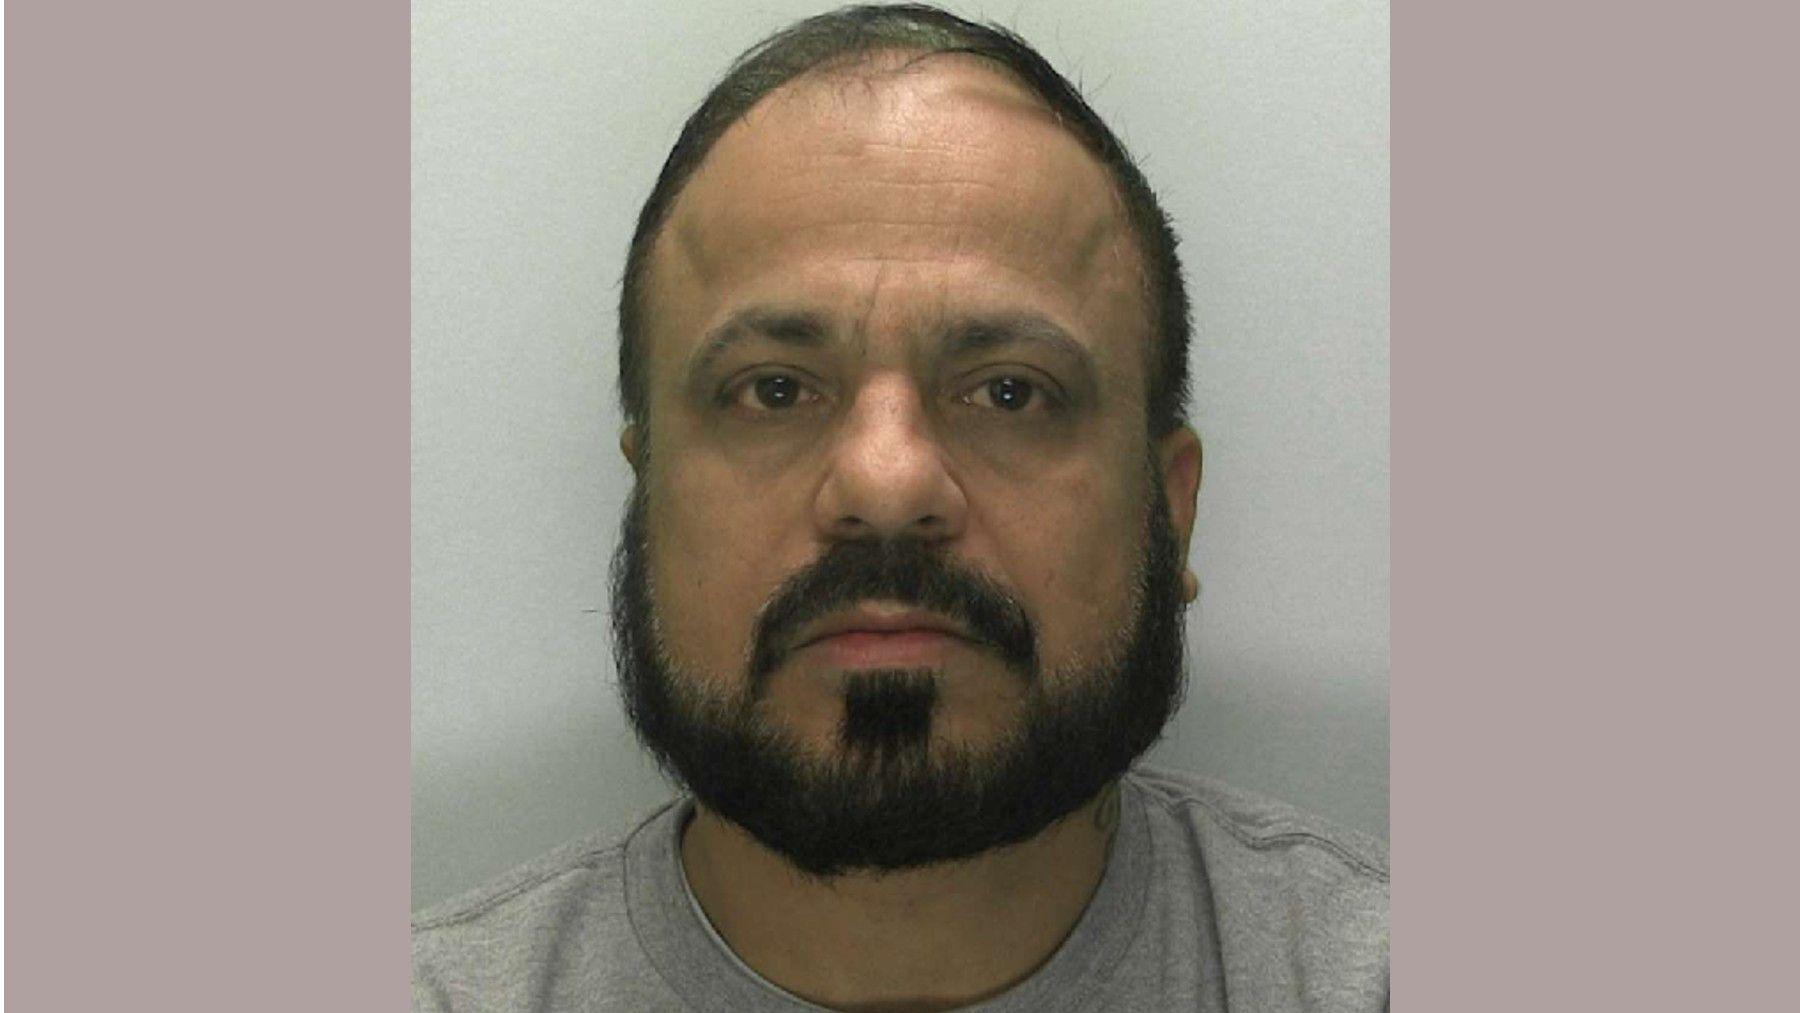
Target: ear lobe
629,445
1180,455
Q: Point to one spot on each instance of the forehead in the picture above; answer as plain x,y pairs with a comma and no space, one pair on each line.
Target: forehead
876,185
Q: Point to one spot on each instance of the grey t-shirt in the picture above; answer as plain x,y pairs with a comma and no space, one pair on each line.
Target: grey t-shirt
1213,899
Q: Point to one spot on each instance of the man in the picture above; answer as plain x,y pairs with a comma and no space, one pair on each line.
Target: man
899,595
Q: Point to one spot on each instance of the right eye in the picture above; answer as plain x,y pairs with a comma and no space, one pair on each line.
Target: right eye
772,392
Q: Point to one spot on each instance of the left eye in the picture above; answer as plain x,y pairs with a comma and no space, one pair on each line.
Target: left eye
1007,393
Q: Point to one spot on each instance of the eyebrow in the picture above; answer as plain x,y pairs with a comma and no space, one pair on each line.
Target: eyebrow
794,328
968,335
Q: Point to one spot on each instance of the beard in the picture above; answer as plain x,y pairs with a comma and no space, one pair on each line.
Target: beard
888,797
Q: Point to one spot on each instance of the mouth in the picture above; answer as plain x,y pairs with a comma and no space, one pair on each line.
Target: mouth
881,636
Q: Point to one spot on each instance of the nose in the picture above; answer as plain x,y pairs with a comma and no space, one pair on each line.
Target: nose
887,476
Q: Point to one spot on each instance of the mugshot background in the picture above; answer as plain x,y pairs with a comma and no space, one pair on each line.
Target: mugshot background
537,131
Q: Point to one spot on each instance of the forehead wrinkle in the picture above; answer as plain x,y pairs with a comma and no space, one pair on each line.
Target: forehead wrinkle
1086,242
860,328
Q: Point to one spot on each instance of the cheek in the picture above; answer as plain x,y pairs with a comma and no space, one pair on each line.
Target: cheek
715,556
708,585
1076,564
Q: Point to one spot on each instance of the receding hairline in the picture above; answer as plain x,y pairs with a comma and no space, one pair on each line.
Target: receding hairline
889,62
886,63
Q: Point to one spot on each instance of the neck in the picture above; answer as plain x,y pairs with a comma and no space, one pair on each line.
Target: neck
933,938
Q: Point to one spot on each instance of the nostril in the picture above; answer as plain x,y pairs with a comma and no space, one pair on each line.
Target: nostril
851,527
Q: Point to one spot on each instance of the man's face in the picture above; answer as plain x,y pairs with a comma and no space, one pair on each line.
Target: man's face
898,327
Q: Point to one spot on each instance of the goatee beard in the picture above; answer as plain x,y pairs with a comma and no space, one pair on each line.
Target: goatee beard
888,797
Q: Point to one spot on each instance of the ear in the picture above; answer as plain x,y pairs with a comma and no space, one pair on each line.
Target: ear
630,446
1179,454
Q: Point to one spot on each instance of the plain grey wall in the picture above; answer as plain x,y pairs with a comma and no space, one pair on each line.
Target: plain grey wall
537,132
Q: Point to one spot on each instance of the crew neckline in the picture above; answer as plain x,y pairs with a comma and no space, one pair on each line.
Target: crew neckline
700,967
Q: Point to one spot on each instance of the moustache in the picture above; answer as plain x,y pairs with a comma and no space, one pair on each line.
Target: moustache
905,571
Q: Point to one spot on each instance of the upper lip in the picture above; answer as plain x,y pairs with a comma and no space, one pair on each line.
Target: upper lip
877,619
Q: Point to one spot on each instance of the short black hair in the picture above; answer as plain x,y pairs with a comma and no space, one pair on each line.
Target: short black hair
853,31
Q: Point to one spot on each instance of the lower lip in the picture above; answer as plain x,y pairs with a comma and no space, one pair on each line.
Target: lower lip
880,649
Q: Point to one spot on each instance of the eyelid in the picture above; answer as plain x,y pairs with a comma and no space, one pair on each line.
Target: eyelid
1044,385
731,392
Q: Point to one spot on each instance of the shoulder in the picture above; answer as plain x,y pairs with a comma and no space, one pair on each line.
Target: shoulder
1248,824
1298,906
557,920
578,866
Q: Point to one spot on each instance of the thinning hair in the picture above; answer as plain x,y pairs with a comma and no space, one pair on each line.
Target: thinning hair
852,32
